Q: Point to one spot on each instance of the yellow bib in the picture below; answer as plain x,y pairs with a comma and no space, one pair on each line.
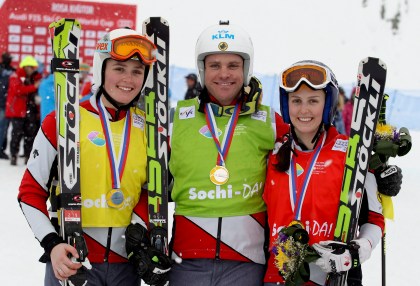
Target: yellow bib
95,172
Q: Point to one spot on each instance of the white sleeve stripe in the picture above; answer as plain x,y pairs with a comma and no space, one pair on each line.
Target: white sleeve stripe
42,157
47,139
135,218
371,232
37,220
371,190
273,124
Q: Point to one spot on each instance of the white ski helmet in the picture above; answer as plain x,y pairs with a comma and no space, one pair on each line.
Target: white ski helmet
225,38
104,50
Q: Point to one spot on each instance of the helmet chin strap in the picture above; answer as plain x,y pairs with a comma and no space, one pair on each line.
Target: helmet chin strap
249,99
317,134
314,140
114,103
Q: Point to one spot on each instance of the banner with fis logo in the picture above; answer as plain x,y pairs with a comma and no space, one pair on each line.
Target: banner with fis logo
25,25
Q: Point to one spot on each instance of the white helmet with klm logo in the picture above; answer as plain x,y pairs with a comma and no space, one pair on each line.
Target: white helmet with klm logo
225,38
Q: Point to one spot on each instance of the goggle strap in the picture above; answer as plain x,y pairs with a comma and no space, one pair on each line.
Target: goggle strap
103,46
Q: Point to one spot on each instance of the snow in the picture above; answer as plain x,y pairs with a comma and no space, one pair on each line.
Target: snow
21,251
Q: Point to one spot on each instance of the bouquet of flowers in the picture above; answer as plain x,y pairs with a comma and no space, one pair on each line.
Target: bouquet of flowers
388,141
292,254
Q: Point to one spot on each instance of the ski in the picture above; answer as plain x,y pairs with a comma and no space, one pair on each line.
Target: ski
156,107
367,104
65,36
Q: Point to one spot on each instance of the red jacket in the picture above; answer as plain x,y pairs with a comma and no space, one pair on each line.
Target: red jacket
19,92
320,201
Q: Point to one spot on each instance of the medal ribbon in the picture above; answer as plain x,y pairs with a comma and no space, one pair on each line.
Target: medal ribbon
297,204
227,139
117,164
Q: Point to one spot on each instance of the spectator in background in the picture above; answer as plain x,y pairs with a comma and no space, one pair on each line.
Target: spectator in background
21,107
193,87
348,111
85,82
338,119
5,71
46,92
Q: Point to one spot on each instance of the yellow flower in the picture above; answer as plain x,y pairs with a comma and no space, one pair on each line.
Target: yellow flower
385,131
281,259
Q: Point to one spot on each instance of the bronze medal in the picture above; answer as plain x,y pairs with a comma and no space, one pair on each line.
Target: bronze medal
115,198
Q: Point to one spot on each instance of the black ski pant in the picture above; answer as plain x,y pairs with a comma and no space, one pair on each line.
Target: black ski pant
23,127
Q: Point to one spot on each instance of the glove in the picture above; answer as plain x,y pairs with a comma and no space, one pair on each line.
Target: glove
50,241
389,180
338,256
150,264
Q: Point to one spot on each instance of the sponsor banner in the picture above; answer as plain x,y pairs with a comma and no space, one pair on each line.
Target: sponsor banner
25,25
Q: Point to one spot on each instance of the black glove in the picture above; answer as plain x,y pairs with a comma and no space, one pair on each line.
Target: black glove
389,180
48,243
151,265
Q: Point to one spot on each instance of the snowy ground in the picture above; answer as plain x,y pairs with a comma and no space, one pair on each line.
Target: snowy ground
21,251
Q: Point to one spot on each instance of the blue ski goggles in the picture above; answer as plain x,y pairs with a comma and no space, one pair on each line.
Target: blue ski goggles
315,76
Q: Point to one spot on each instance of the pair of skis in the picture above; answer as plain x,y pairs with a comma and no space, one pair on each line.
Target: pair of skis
65,37
366,110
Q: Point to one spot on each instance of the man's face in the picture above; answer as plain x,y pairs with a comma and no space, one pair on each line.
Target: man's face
224,76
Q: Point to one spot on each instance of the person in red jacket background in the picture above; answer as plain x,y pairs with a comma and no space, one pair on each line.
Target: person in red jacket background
21,108
348,112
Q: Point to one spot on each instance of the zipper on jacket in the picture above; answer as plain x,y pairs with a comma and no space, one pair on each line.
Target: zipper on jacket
108,244
219,233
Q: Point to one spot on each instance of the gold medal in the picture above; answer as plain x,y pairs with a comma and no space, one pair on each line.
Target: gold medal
219,175
298,222
115,198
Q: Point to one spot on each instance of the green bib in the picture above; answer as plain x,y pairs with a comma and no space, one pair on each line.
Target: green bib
194,155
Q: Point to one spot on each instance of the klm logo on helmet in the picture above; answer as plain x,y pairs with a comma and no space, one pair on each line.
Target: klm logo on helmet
222,34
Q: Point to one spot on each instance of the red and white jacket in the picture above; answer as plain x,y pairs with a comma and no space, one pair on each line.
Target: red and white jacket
104,243
320,202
